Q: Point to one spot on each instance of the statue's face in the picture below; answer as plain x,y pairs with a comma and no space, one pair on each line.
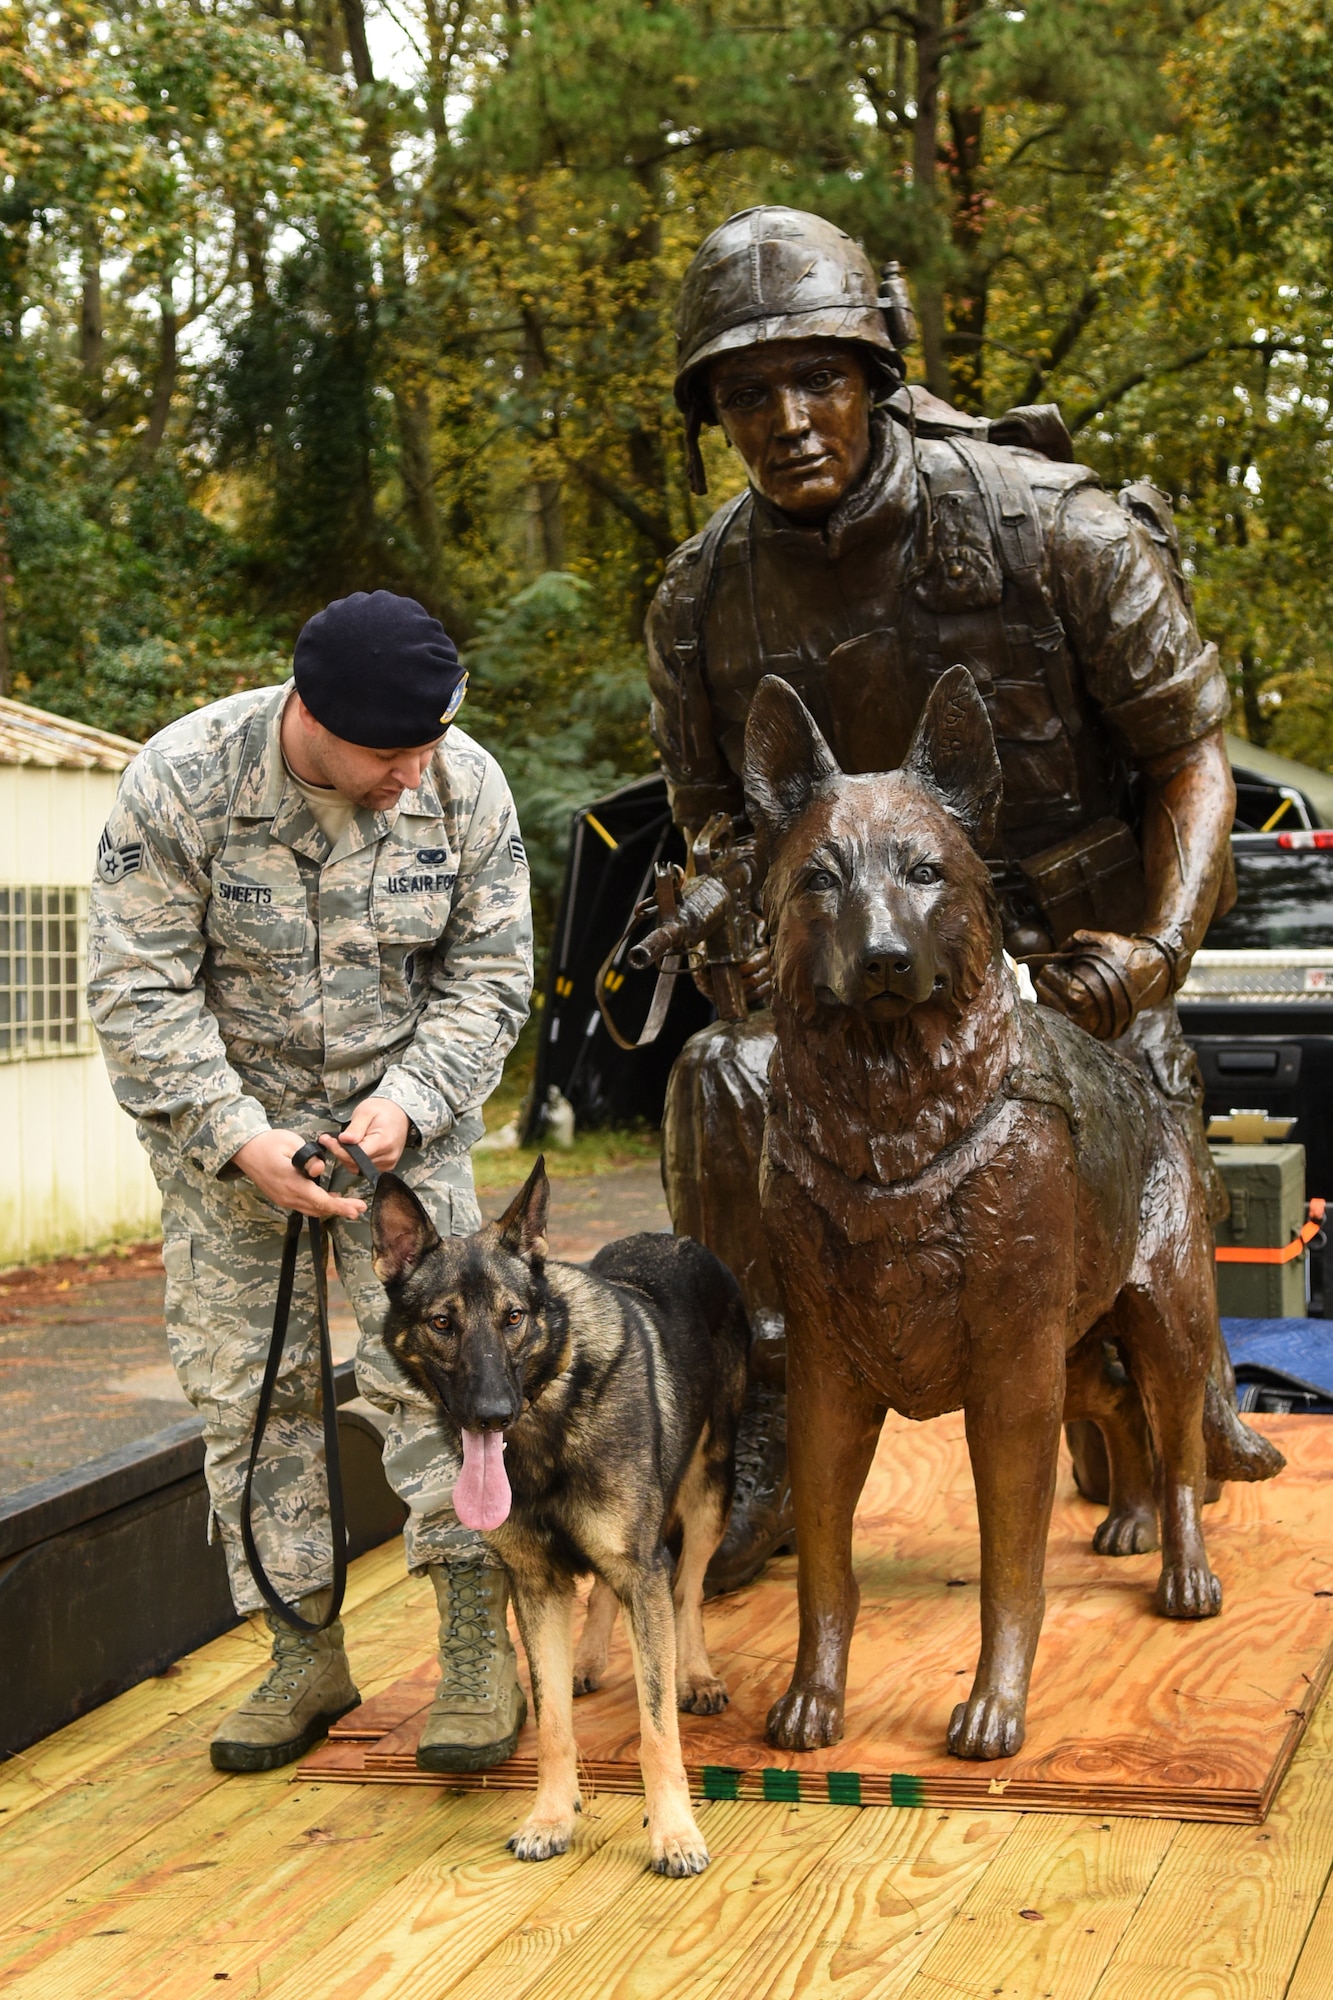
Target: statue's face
798,412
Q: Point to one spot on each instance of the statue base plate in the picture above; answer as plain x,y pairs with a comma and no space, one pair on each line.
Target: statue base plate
1129,1713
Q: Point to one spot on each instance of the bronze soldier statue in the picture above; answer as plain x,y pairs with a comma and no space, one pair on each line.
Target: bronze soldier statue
884,537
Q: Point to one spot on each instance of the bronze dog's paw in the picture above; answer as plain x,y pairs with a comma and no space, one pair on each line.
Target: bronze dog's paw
806,1719
701,1694
1133,1533
1189,1590
539,1839
987,1725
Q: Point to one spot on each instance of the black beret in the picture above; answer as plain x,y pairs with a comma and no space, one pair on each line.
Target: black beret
378,670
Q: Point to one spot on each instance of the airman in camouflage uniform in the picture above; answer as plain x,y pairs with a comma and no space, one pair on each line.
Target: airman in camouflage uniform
249,977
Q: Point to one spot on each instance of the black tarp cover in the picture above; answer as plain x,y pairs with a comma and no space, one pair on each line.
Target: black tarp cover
614,844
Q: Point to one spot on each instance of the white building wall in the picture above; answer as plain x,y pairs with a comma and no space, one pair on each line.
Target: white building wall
72,1173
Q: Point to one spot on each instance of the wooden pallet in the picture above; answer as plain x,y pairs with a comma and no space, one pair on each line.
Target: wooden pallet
1129,1714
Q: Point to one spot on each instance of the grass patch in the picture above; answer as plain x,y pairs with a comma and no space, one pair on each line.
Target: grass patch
591,1153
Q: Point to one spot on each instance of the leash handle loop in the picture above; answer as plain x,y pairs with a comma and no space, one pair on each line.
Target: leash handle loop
282,1312
313,1148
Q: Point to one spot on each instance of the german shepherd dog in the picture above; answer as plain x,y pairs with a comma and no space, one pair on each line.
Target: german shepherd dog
965,1195
598,1412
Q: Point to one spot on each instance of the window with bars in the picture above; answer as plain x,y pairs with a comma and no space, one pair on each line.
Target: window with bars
43,935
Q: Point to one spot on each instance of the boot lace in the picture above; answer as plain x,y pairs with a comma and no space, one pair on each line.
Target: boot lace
467,1636
294,1656
754,1471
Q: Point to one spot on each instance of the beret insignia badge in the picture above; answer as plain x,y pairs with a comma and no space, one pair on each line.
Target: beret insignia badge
455,702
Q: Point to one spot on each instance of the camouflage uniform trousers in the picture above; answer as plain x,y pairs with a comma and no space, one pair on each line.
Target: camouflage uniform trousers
222,1251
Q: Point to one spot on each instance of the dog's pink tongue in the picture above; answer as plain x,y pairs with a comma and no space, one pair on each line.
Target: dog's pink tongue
482,1498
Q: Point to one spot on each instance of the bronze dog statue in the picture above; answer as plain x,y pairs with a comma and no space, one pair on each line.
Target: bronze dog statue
964,1195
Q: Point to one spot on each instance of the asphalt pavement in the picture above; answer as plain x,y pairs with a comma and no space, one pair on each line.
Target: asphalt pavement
83,1353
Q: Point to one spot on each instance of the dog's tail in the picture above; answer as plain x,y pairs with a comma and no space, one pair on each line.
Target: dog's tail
1234,1450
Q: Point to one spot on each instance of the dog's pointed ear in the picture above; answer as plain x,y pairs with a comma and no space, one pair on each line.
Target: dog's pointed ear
401,1232
953,751
786,758
522,1227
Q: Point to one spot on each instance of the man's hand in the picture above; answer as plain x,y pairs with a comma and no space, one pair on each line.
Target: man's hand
380,1128
267,1161
1104,981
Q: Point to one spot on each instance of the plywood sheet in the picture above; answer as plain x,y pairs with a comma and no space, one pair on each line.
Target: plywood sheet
1130,1713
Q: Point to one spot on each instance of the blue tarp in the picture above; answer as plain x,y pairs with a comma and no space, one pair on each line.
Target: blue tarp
1283,1353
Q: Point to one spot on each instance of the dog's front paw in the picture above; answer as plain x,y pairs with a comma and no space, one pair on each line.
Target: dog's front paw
1130,1533
1188,1590
806,1718
701,1694
987,1725
543,1835
677,1848
588,1676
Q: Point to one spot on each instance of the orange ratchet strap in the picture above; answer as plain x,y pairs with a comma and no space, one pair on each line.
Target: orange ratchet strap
1296,1247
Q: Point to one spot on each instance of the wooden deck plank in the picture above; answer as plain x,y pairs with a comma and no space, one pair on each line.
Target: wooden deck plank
1229,1910
432,1926
296,1873
1049,1911
1313,1977
862,1921
86,1824
616,1914
661,1937
32,1777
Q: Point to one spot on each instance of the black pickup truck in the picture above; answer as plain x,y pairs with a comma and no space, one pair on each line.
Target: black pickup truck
1258,1002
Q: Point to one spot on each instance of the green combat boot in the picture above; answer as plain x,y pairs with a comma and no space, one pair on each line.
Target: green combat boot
306,1689
479,1706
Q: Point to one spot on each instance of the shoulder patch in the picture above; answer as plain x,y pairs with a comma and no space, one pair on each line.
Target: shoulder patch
517,851
115,863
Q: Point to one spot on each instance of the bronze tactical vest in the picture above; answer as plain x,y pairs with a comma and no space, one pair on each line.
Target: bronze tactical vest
863,643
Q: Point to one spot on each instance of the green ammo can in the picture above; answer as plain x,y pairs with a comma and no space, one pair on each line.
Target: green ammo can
1267,1189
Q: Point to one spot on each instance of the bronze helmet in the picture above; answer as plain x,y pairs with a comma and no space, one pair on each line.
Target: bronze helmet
772,274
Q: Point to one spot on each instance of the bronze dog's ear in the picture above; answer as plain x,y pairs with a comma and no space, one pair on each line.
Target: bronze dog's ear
786,758
401,1231
953,752
522,1227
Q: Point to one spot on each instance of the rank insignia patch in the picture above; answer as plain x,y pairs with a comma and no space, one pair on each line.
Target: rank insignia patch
517,851
115,863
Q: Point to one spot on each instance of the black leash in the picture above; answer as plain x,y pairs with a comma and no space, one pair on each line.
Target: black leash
332,1461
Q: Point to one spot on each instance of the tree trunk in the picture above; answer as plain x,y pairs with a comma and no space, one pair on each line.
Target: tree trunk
409,387
91,330
546,524
164,383
1258,727
925,150
965,340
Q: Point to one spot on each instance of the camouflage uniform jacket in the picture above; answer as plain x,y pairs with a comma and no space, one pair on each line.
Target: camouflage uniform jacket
241,970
